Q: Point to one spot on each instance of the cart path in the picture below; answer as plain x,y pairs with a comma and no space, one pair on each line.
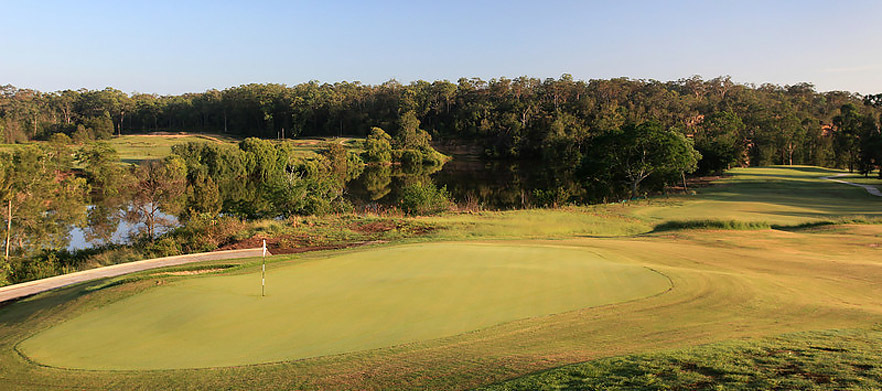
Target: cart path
16,291
869,188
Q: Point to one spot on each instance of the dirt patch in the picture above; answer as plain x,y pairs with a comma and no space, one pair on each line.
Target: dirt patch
273,244
379,227
373,227
297,250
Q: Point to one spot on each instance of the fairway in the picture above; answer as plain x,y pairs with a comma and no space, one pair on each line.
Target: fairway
348,302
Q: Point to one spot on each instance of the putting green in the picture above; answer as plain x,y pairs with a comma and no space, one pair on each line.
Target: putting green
352,301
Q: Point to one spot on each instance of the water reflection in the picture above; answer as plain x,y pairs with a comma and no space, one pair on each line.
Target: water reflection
108,226
472,182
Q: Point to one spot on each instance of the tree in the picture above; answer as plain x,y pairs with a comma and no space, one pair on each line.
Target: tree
6,183
719,139
638,151
409,135
378,147
850,127
42,201
101,126
336,156
203,197
110,184
158,192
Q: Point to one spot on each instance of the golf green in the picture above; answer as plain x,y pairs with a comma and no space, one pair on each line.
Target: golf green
348,302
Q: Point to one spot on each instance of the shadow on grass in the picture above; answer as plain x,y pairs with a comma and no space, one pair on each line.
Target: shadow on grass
738,225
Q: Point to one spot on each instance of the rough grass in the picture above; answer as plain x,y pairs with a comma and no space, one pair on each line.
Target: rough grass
712,224
727,285
830,360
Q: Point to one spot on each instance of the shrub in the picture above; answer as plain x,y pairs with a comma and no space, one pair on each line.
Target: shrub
424,199
166,246
43,265
378,147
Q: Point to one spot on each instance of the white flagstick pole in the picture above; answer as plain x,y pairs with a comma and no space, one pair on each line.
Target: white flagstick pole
263,271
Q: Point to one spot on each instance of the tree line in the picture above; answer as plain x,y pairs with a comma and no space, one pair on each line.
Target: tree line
730,123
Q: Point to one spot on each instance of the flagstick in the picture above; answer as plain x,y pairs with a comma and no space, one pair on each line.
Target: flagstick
263,272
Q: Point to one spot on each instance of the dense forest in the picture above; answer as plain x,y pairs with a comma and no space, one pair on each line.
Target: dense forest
596,141
730,123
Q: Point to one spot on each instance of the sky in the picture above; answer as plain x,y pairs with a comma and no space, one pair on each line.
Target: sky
172,47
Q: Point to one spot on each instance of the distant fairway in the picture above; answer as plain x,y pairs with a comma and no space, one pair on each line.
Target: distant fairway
134,148
354,301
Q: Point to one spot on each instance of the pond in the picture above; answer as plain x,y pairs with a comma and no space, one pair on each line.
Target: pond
471,182
119,231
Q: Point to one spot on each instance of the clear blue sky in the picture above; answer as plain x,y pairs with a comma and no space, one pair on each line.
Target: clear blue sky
190,46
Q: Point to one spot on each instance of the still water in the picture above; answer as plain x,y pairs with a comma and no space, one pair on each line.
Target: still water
471,181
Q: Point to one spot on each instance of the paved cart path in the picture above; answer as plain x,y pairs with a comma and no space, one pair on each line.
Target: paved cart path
17,291
870,188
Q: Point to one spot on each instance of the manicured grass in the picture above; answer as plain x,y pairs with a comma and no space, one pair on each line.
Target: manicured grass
135,148
872,179
138,147
360,300
779,195
802,275
603,221
753,198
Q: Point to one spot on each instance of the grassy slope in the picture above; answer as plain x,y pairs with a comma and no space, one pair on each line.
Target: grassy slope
727,285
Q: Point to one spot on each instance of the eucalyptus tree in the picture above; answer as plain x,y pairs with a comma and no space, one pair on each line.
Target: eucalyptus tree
157,193
43,200
110,185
